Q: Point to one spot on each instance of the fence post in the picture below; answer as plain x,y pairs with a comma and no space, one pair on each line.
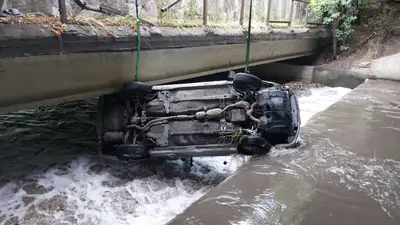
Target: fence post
241,13
268,12
62,8
205,12
3,4
291,12
307,15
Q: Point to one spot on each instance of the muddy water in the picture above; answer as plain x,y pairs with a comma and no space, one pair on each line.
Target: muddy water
50,173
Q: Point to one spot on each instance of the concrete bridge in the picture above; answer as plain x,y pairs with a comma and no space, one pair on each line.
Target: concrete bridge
42,69
38,67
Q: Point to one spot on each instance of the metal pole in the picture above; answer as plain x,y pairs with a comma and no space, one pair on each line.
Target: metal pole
241,13
3,4
248,39
62,8
268,11
307,15
170,5
205,12
291,12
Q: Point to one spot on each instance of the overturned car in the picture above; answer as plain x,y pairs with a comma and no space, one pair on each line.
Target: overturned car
244,115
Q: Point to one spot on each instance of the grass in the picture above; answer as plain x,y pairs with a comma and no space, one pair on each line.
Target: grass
106,21
58,28
31,18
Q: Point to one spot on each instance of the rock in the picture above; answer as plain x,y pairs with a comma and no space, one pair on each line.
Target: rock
95,169
123,202
54,204
35,189
12,221
27,200
2,218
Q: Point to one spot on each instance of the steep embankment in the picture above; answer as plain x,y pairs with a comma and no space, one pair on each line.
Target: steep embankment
376,35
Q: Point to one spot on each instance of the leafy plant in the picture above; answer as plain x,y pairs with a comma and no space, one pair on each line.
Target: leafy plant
339,15
231,138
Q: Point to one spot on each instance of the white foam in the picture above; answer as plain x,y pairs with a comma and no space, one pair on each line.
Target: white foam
118,194
319,100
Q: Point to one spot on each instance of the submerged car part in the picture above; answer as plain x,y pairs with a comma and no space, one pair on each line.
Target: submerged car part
244,116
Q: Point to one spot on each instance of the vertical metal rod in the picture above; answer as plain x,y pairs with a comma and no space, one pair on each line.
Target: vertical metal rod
268,12
248,39
138,41
241,13
3,4
62,8
307,14
205,12
291,12
170,5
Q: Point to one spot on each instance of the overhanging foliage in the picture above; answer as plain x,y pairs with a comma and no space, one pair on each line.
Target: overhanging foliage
339,15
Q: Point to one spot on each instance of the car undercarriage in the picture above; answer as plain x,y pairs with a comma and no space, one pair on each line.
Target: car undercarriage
245,116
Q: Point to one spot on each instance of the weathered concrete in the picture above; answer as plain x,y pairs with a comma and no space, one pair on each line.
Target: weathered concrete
386,67
334,77
346,172
83,65
285,72
39,39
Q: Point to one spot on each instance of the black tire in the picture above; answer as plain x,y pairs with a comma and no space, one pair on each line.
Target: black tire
244,82
110,115
253,145
131,152
130,90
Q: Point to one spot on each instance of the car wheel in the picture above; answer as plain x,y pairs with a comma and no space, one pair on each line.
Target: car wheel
253,145
130,90
244,82
131,152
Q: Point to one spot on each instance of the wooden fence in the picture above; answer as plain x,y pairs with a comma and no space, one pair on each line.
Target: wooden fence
290,12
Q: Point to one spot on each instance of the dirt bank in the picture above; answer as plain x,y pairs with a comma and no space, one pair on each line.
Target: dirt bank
376,35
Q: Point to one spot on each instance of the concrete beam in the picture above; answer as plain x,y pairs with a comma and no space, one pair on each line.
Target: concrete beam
285,72
346,171
39,39
47,79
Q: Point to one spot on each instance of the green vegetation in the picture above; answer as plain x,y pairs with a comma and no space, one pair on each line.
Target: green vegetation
339,15
192,13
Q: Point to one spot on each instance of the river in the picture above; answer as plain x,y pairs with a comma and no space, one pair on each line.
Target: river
51,174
